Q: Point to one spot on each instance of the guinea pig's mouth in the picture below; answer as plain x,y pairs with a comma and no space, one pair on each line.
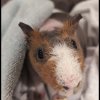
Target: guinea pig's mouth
70,91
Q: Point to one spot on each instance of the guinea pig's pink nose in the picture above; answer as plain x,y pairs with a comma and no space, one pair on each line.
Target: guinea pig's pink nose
72,81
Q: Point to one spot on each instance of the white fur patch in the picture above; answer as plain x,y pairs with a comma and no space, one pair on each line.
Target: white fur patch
68,70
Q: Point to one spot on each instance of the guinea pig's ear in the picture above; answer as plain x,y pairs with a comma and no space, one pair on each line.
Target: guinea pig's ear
26,29
75,19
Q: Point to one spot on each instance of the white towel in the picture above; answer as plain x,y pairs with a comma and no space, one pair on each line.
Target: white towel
32,12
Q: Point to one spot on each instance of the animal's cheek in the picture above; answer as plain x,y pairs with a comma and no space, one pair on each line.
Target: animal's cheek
47,73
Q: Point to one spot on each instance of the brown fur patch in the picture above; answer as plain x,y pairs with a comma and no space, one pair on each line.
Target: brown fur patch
45,68
68,29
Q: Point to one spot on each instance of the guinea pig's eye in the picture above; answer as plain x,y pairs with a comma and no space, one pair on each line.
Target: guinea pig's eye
73,43
40,53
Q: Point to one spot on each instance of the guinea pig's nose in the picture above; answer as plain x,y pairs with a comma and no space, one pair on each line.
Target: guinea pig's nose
65,87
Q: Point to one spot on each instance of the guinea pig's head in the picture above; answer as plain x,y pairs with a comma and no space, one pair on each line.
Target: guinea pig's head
57,55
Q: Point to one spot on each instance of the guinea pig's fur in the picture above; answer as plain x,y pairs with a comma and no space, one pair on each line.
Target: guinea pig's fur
55,52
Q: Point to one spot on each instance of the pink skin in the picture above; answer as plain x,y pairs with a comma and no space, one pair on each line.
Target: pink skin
51,24
70,80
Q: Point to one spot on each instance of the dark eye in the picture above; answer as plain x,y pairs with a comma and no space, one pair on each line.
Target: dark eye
73,43
40,53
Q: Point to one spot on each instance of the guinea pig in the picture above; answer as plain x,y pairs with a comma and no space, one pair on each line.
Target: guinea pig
55,52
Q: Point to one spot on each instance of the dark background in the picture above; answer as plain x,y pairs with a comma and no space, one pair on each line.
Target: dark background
3,2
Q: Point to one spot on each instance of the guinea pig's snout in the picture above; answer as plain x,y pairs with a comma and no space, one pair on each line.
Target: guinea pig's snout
72,82
68,87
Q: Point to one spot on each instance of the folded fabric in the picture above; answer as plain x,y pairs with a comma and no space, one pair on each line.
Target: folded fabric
89,35
32,12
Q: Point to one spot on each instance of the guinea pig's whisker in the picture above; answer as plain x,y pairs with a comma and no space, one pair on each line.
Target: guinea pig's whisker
53,55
